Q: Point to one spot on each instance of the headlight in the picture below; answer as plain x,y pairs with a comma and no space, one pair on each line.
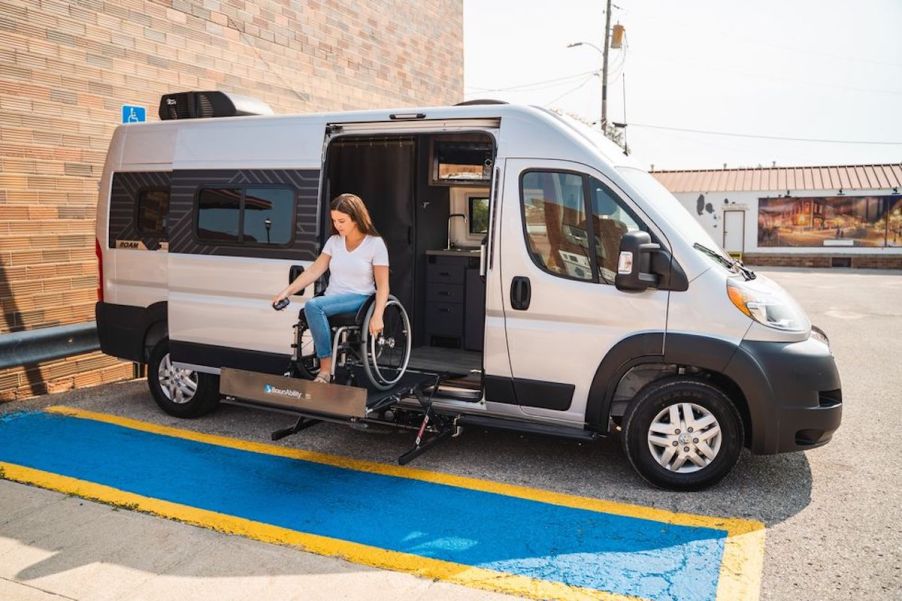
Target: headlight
768,306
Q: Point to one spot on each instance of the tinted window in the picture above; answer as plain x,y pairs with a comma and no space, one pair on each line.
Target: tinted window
253,215
268,215
153,205
219,214
554,211
610,221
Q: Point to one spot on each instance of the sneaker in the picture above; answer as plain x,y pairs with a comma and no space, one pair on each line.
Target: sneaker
321,379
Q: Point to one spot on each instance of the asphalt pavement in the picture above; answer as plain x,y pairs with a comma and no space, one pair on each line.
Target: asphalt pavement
833,515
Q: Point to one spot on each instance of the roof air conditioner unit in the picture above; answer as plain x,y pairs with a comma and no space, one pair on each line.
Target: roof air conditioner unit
204,105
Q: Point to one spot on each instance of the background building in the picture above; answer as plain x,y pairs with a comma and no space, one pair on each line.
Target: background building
839,216
66,69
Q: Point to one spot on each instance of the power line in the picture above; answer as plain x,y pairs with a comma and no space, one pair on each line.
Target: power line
582,83
739,135
537,84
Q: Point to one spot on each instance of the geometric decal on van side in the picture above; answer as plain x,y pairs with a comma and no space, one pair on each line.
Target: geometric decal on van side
124,206
182,228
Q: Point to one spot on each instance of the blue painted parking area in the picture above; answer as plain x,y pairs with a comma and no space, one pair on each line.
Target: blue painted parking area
478,533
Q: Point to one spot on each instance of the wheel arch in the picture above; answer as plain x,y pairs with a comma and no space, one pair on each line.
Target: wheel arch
675,354
156,319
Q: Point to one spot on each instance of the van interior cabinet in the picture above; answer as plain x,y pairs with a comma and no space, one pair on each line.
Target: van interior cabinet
455,300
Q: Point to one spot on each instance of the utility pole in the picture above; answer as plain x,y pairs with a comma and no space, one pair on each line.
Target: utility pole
604,69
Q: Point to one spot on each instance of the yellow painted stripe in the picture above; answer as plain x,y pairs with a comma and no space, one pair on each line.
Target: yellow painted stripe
741,566
362,554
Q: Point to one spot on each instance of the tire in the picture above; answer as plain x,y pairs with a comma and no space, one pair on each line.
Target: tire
180,392
648,434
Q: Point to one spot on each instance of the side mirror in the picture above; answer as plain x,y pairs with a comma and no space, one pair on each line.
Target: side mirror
634,262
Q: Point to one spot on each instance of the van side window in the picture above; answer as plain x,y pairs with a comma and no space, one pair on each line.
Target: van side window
153,205
268,215
257,216
219,214
610,221
554,211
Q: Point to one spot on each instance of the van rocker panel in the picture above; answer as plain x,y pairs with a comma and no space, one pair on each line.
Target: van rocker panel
556,396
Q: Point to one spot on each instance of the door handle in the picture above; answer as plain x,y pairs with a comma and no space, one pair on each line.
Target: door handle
521,293
293,272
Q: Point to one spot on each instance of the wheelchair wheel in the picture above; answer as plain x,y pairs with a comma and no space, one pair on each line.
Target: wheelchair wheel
385,356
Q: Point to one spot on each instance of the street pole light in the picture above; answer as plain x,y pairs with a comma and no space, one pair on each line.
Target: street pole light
604,76
604,64
604,68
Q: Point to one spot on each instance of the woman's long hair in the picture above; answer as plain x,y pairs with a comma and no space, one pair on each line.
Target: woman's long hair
352,206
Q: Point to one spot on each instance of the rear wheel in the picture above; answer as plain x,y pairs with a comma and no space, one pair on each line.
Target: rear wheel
180,392
682,434
385,356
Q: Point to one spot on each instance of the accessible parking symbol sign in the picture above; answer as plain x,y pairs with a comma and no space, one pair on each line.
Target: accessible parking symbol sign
133,114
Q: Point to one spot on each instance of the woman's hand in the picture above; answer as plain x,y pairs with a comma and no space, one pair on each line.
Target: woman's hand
278,297
376,325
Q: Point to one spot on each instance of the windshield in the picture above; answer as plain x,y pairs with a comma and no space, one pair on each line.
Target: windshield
676,214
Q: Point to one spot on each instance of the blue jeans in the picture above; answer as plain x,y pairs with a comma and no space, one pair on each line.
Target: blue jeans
318,310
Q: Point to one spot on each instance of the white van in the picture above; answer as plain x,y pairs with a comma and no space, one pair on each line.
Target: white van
552,285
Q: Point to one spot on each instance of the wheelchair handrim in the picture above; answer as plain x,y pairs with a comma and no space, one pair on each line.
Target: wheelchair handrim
380,375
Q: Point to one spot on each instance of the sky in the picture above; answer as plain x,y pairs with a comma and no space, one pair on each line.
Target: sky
821,70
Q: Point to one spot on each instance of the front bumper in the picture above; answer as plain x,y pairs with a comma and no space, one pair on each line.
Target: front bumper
793,392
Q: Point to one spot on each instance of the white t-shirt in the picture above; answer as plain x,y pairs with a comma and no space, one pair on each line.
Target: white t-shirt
353,271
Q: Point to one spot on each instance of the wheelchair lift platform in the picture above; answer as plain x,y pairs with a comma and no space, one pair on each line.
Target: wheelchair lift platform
315,402
293,394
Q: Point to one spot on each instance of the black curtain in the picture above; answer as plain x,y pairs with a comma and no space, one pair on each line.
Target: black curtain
381,172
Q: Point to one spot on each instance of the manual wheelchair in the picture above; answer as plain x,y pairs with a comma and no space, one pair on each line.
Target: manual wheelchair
383,358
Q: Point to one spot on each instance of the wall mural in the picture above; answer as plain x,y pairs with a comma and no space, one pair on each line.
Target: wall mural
819,221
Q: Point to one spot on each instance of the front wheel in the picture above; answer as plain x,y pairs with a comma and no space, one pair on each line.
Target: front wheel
682,434
180,392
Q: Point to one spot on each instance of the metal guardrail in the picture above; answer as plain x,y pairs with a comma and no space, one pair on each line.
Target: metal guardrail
45,344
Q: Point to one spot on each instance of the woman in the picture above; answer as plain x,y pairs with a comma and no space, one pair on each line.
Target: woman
358,263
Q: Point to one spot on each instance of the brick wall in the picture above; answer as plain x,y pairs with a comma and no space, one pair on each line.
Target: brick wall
67,67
